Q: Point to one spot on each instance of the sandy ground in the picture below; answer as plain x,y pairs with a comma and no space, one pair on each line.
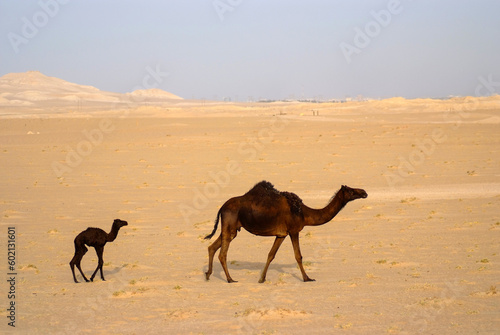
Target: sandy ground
419,255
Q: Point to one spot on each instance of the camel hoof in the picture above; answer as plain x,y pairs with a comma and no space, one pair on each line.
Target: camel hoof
262,280
207,276
309,279
231,281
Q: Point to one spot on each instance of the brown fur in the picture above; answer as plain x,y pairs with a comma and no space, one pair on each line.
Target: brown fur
265,211
96,238
265,194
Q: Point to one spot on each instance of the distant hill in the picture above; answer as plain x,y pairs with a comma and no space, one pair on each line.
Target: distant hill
155,93
33,89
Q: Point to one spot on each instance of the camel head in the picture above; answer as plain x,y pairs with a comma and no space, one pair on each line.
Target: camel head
119,223
351,194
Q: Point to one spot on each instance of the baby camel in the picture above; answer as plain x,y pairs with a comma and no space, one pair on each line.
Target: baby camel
96,238
264,211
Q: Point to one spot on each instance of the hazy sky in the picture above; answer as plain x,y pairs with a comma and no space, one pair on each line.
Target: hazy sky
256,49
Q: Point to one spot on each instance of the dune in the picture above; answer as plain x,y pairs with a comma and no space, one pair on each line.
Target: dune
35,89
36,81
155,93
490,120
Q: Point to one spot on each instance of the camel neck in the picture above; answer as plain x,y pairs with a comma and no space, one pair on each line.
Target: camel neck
113,233
317,217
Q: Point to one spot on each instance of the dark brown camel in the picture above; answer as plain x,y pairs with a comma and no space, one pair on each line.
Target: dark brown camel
97,238
264,211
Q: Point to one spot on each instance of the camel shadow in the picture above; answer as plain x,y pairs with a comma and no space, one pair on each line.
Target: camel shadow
111,272
116,270
255,266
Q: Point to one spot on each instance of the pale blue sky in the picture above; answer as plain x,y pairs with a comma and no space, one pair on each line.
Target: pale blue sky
258,48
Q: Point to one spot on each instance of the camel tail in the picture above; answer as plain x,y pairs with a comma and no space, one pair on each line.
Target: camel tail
215,227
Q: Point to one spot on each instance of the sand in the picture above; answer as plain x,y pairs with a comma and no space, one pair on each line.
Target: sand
419,255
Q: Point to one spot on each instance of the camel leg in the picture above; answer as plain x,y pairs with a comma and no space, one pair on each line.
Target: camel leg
72,265
298,256
101,263
99,251
76,261
77,258
226,238
270,257
80,269
212,249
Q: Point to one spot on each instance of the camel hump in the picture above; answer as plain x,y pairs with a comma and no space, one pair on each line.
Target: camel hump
266,186
263,189
87,231
93,229
264,193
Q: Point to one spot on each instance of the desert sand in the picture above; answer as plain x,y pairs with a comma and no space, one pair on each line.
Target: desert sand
419,255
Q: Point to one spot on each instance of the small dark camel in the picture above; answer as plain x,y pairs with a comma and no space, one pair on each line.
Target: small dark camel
264,211
97,238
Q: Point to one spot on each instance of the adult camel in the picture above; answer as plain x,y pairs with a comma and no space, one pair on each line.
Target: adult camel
265,211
